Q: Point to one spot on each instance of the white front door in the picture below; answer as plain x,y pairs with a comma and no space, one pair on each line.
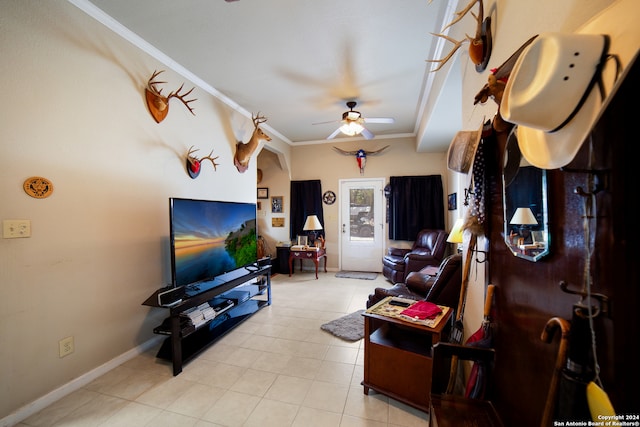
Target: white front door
361,224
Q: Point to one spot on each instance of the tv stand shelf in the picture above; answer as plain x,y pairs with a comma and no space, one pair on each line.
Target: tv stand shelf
249,292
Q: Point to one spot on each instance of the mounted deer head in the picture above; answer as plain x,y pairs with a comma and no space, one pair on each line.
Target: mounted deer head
244,151
158,103
194,163
479,46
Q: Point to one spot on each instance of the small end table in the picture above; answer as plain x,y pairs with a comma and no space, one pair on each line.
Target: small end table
398,353
314,254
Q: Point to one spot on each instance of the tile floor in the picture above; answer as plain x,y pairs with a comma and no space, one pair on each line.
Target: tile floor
276,369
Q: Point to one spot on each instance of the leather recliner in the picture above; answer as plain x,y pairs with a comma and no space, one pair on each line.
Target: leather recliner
428,250
443,288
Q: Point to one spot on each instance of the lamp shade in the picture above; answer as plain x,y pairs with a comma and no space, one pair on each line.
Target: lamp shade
312,223
523,216
455,235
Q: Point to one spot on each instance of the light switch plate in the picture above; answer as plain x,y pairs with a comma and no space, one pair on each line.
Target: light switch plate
16,228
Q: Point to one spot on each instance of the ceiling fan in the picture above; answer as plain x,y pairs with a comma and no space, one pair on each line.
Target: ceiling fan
352,123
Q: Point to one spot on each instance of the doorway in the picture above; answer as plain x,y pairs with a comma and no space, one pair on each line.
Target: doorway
361,224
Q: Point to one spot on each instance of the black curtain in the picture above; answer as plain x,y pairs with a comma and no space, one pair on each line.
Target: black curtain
415,203
306,199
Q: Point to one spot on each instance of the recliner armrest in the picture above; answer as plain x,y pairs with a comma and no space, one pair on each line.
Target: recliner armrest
420,256
399,252
419,282
414,262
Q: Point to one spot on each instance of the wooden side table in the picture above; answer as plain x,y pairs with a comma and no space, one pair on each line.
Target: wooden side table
312,254
397,356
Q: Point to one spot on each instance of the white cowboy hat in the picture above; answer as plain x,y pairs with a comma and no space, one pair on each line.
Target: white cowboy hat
552,93
550,96
462,149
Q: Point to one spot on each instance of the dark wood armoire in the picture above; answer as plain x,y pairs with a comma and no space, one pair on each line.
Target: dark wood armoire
528,293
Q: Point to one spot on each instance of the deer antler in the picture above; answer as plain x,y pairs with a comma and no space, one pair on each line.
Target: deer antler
477,43
212,159
176,94
151,85
190,155
456,46
258,120
462,13
193,163
158,103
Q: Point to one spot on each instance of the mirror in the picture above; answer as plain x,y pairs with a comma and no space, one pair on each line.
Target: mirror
525,207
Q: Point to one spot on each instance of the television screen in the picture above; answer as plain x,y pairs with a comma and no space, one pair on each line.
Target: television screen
209,238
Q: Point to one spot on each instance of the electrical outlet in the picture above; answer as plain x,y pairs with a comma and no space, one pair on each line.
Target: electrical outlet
16,228
65,346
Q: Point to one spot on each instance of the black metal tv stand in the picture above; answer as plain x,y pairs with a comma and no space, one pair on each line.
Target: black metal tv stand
248,292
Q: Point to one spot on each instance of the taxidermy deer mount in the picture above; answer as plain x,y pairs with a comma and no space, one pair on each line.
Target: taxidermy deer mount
194,164
479,46
158,103
361,155
244,151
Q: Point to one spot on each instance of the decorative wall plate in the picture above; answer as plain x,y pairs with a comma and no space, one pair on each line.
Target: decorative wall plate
329,197
38,187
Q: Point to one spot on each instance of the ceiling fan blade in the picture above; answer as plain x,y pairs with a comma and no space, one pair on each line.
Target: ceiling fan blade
334,134
324,123
380,120
367,134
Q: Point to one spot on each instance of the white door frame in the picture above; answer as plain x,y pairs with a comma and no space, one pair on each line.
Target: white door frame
379,217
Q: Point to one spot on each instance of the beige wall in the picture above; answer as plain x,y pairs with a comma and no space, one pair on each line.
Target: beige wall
322,162
73,111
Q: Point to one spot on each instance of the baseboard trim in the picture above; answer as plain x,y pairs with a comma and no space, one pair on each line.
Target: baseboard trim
77,383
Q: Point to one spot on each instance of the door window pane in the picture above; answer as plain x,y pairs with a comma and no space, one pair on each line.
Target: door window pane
361,218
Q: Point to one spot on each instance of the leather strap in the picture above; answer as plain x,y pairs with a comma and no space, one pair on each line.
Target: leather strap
596,79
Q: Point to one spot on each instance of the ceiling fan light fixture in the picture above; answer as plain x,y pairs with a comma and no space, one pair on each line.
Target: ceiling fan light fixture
351,128
353,123
351,115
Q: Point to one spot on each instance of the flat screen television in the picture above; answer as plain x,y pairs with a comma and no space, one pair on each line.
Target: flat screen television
210,238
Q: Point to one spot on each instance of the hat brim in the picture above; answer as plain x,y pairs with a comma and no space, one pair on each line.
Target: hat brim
553,150
512,157
462,150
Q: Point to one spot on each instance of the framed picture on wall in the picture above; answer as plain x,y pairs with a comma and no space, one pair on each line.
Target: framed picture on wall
263,193
452,202
276,204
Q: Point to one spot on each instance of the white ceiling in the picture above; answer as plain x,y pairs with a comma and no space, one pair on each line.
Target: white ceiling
299,61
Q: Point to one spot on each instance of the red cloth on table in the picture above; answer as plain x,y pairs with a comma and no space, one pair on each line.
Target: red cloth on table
422,310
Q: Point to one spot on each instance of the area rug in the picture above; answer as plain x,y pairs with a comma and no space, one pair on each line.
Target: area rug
348,328
357,275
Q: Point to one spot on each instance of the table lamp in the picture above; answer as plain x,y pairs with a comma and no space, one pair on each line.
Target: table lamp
312,224
523,217
455,235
